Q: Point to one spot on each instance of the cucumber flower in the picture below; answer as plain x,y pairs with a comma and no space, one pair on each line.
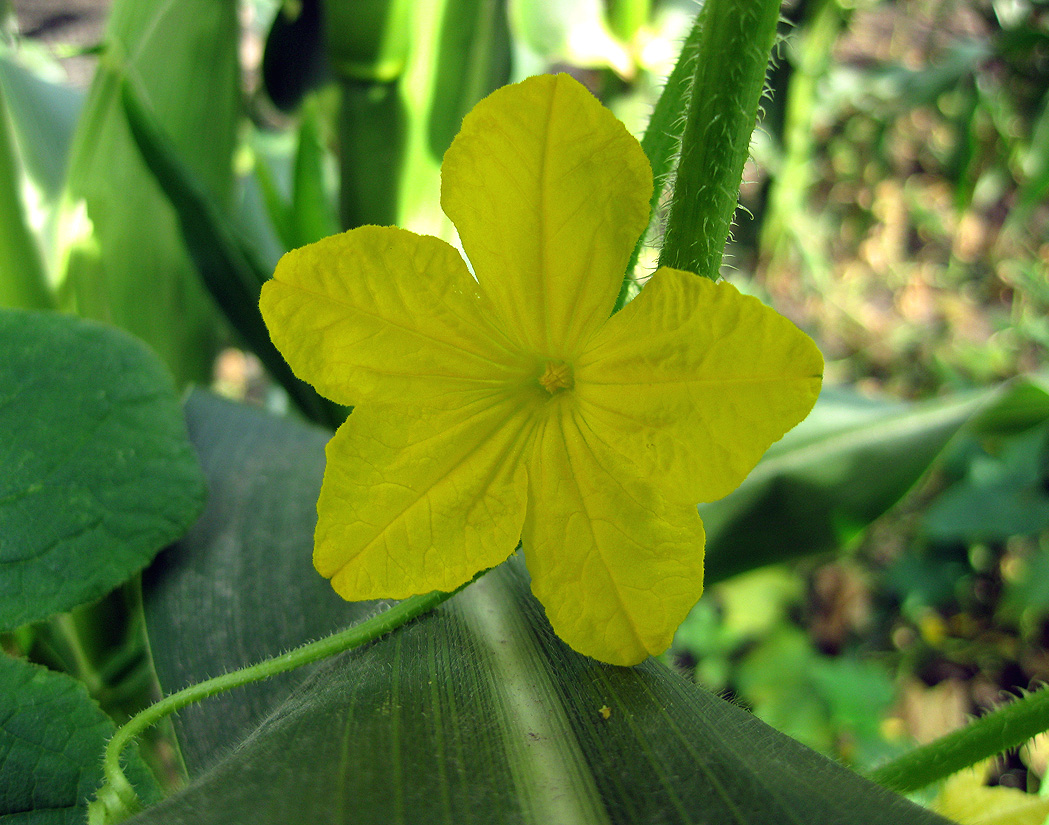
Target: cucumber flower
507,406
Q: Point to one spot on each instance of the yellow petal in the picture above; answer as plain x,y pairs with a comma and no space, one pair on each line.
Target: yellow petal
695,381
965,799
419,499
616,565
549,193
382,314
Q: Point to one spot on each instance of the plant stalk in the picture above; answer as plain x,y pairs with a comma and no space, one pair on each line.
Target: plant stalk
736,38
1006,727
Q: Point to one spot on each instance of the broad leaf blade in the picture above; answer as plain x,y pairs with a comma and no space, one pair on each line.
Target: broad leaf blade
98,474
827,479
263,478
51,739
474,713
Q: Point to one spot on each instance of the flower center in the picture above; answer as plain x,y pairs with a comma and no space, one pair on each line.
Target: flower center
556,377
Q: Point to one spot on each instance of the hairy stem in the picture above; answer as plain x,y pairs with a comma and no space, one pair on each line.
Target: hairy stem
735,40
116,800
1007,727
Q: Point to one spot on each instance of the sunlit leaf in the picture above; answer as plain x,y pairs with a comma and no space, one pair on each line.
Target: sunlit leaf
124,258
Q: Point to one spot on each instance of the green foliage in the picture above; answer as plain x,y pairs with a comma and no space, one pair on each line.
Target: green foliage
832,475
1004,493
123,258
43,119
98,472
132,215
227,264
476,712
51,733
22,279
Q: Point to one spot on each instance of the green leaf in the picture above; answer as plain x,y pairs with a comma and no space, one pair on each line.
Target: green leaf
44,116
828,478
124,260
1003,495
98,474
51,739
473,713
263,481
312,211
228,265
23,282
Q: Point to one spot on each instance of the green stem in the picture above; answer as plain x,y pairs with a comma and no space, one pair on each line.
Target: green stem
736,38
68,630
1007,727
116,800
662,140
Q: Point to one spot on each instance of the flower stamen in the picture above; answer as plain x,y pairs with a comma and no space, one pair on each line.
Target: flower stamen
556,377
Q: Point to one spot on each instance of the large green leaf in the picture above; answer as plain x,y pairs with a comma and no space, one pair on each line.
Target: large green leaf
263,475
474,713
125,261
51,739
827,479
97,472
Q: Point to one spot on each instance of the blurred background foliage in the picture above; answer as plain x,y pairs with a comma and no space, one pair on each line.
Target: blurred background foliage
156,158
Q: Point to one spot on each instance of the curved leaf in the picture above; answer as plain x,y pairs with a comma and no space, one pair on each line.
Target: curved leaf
473,713
98,474
51,739
124,261
828,478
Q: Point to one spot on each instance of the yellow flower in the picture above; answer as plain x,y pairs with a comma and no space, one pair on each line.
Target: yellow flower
510,406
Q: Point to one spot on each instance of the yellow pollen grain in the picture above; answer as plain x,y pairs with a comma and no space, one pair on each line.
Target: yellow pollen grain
556,377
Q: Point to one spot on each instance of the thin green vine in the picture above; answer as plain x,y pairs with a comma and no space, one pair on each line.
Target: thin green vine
116,800
1007,727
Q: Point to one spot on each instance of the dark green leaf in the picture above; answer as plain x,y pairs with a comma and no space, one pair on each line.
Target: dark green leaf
51,740
98,474
827,479
263,475
1004,495
474,713
1023,403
